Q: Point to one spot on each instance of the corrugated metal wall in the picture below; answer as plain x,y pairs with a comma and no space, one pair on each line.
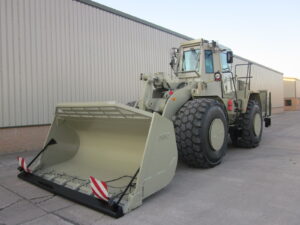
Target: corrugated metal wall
62,50
297,88
289,88
55,51
263,78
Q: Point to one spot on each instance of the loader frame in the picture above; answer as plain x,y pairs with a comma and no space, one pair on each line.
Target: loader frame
133,151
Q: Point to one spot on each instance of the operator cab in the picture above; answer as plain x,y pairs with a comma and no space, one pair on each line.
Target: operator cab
200,57
205,61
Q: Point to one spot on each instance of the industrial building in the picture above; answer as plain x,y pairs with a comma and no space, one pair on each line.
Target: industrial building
263,78
291,94
78,50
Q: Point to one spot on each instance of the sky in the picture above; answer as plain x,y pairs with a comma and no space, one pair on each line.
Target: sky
264,31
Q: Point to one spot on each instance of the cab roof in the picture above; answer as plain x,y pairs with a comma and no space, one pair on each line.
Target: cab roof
201,41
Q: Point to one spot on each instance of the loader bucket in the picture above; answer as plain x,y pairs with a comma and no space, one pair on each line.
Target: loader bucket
133,152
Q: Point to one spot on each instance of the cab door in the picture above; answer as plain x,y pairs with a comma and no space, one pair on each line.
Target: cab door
228,86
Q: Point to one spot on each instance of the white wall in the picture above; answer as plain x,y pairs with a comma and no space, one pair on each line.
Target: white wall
55,51
263,79
298,88
289,88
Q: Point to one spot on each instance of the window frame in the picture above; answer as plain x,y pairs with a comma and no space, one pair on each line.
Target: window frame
183,56
221,61
212,61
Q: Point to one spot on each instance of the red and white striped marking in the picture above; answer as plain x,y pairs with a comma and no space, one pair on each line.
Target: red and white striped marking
23,164
99,188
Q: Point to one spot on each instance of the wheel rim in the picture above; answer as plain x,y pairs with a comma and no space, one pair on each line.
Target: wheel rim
257,124
216,134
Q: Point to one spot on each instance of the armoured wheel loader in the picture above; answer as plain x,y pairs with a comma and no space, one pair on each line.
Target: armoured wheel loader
111,156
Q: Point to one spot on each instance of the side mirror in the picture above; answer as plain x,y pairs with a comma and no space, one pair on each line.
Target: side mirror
174,52
172,63
229,56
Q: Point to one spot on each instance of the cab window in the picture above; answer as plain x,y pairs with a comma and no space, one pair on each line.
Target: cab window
190,60
209,63
224,64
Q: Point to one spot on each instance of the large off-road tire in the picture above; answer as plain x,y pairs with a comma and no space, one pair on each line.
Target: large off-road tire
249,132
201,133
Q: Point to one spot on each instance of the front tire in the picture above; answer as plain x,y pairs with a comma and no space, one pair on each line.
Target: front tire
250,131
201,133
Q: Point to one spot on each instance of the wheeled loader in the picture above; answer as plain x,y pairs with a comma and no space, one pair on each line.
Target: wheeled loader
111,156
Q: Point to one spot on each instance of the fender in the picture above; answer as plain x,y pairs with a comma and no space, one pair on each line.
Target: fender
255,96
178,99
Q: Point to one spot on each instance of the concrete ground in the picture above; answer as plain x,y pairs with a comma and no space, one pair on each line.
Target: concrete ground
257,186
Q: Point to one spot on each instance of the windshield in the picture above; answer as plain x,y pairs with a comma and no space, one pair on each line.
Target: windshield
190,60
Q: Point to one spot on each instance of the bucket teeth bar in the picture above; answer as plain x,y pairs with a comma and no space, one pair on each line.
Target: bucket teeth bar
90,201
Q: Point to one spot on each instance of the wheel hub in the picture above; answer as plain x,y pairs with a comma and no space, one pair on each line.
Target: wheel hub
257,124
216,134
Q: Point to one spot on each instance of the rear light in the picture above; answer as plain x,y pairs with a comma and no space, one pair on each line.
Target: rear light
230,105
171,92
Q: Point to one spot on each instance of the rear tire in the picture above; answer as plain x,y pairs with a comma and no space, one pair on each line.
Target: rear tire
201,133
250,132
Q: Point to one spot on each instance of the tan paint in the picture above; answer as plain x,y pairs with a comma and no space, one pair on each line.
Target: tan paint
107,141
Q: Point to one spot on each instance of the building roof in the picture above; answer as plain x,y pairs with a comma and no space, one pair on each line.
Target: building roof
133,18
258,64
155,26
290,79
